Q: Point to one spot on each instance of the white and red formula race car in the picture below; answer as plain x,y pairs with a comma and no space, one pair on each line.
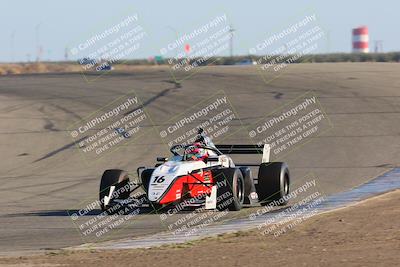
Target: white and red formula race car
199,174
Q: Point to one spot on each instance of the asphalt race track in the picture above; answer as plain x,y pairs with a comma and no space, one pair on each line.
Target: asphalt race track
43,175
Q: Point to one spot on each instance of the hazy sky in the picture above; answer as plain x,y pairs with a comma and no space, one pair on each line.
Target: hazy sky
58,24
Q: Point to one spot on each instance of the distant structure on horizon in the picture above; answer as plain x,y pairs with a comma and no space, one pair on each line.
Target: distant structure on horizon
360,40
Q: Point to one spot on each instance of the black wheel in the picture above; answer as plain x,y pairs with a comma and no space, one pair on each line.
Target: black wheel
273,183
145,176
230,191
117,178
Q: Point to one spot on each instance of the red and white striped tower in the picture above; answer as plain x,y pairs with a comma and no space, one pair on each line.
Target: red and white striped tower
360,40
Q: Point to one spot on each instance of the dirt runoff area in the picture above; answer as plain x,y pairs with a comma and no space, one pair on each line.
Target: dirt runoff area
366,234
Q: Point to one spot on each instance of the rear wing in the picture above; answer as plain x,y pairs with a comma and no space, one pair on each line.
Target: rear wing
247,149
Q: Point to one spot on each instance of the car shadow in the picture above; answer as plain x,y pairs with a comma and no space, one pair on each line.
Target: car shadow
72,212
94,212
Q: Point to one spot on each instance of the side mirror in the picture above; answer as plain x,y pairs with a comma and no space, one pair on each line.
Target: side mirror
213,159
162,159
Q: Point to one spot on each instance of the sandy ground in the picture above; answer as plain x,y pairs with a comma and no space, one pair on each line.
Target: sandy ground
366,234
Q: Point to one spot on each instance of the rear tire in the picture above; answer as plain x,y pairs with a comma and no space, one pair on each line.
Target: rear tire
273,183
230,194
248,184
117,178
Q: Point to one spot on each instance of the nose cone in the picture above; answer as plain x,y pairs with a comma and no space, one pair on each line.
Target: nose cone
165,176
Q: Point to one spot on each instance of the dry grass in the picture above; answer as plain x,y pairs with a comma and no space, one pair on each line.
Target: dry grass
22,68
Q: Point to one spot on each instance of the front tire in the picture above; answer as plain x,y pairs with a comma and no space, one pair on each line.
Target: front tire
231,190
145,176
117,178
